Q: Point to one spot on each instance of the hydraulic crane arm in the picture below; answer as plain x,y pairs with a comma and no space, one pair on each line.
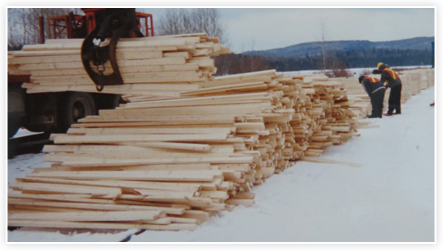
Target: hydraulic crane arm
99,47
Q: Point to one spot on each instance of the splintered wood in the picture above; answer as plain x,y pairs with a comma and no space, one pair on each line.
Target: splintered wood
170,163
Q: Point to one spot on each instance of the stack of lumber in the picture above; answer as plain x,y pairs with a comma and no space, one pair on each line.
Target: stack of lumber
353,87
359,99
430,73
187,145
152,66
14,68
357,95
417,80
411,79
170,164
426,78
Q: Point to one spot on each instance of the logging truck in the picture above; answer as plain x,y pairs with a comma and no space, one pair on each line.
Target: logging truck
54,112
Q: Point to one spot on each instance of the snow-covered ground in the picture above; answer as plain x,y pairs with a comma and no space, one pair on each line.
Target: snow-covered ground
354,71
24,132
390,198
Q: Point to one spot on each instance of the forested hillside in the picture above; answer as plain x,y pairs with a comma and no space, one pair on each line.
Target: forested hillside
354,59
315,48
348,54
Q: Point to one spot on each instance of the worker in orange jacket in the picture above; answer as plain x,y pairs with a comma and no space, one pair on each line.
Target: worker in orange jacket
376,91
391,80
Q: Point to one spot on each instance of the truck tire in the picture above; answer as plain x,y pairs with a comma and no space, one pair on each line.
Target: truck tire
75,106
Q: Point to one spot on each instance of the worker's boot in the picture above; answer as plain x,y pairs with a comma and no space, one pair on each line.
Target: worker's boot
397,109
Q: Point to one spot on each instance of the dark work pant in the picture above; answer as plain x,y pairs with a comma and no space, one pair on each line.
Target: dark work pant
395,100
377,102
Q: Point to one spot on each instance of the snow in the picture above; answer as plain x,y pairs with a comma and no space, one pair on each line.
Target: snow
390,198
23,165
354,71
24,132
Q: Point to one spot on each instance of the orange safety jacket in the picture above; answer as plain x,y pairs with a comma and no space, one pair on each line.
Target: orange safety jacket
371,79
372,85
392,78
392,73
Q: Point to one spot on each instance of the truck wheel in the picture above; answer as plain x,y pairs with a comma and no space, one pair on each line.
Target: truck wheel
74,107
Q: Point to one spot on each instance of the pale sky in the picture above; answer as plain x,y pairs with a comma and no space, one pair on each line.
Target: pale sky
267,28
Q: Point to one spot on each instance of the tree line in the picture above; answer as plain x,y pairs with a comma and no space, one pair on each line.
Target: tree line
361,58
23,25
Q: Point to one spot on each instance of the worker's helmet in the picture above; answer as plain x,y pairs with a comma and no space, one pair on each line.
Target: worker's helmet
360,79
379,65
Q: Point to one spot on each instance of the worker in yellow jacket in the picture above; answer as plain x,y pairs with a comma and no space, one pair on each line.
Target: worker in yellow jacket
391,80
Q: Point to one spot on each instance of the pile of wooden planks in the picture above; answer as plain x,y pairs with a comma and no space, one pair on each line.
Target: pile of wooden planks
169,162
152,66
358,98
412,80
418,79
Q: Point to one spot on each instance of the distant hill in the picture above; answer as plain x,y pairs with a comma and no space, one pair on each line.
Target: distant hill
314,48
349,54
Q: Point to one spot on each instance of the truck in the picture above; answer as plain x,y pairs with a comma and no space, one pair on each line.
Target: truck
54,112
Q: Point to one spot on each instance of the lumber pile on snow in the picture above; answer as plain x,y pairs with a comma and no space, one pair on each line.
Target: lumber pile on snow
165,162
361,102
177,62
170,164
417,80
411,79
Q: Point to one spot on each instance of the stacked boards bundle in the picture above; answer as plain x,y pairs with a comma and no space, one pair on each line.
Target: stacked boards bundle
152,66
359,99
164,162
418,79
170,164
